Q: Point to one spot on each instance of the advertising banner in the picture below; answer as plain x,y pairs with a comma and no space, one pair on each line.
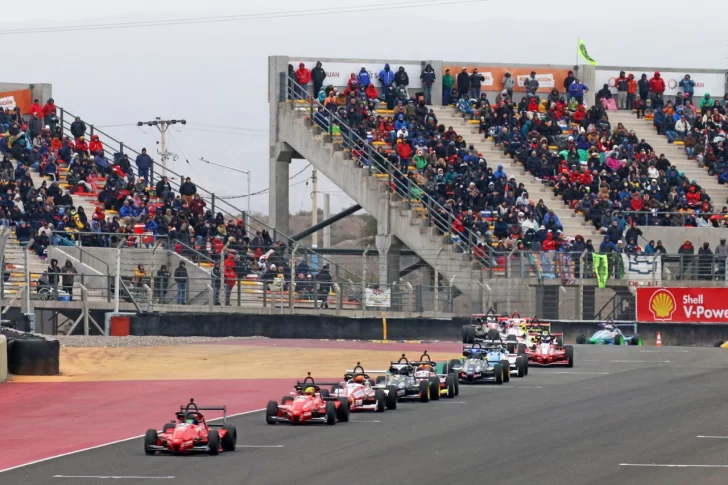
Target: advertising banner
11,99
339,73
682,305
704,83
378,298
547,78
642,270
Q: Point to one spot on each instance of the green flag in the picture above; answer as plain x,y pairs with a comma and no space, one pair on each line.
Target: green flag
601,268
584,54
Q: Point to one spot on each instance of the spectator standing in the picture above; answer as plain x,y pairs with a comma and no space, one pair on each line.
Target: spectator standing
401,79
622,85
180,277
188,190
363,78
721,253
53,273
509,83
577,90
567,84
78,128
161,282
531,85
463,82
631,91
705,262
216,275
50,115
657,88
688,87
69,275
324,285
35,125
303,77
318,75
428,79
447,83
643,85
143,162
36,109
476,79
386,77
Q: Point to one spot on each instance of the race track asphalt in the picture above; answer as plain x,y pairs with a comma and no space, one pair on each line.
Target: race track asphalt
618,406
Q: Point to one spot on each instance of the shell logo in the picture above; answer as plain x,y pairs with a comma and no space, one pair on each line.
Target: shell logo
662,305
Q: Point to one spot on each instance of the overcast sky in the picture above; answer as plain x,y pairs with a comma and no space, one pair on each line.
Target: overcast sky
214,75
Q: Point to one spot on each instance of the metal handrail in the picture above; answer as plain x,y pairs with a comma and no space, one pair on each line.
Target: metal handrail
211,198
373,158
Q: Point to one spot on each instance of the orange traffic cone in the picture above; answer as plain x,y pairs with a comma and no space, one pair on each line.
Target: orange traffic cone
659,340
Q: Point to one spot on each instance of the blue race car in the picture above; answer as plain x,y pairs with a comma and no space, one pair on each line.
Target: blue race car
610,333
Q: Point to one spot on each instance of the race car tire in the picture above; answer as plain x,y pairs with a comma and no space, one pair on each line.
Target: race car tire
506,370
525,362
468,334
150,439
381,398
636,340
559,341
271,411
392,397
521,349
434,388
325,393
330,413
456,381
334,388
512,343
581,339
718,343
213,442
618,340
286,399
230,439
493,334
450,382
569,355
168,426
381,380
498,373
343,411
520,366
424,391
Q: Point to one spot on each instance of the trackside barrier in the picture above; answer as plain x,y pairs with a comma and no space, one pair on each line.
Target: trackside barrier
3,358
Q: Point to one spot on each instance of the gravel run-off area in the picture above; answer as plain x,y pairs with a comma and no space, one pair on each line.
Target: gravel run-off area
135,341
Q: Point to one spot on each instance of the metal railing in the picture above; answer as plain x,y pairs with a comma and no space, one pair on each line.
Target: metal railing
693,218
397,181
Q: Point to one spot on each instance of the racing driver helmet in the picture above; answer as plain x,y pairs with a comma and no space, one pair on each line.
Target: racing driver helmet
309,391
359,379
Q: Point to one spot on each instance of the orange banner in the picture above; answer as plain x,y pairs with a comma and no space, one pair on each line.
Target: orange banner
547,78
11,99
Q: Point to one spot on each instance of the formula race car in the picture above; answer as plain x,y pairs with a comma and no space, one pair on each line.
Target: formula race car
548,350
427,368
518,361
482,327
308,404
362,393
481,364
190,433
610,333
401,376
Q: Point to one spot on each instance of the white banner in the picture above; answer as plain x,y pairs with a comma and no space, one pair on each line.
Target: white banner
7,102
642,269
704,83
339,73
378,298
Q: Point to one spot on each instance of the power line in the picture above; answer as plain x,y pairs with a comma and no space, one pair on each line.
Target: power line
228,127
226,132
238,18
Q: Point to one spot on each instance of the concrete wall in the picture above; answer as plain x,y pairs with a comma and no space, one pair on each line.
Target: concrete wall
3,358
41,91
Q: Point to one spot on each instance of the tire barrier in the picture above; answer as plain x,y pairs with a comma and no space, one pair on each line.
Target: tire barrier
33,357
3,358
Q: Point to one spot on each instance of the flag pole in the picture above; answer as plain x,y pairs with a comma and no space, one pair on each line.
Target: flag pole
578,41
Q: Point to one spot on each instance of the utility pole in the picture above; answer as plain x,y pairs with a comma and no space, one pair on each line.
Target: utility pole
314,207
327,214
162,126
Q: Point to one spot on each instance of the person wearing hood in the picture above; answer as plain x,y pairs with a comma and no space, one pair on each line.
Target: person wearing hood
95,146
318,75
657,88
386,77
706,104
508,84
688,87
401,78
567,84
428,79
705,262
499,173
463,82
577,90
68,273
622,85
643,86
447,83
303,77
363,78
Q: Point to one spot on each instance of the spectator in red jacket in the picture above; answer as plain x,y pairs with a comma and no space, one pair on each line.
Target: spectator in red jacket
657,88
81,145
96,146
50,116
36,109
303,77
404,150
693,197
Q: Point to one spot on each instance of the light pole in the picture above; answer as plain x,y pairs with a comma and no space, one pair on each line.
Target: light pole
246,172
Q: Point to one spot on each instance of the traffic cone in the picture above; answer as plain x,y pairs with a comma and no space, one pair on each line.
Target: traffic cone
659,340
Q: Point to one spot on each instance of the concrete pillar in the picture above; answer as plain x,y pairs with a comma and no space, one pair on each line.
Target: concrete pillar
389,248
327,214
437,88
279,153
588,75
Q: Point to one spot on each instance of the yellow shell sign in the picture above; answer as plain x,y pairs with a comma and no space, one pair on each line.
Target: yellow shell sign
662,305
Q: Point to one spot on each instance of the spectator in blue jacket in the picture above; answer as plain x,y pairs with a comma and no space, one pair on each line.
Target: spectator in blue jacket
143,162
688,87
363,78
386,76
577,90
551,221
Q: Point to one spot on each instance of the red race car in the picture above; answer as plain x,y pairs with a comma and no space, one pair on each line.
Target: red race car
362,392
309,404
546,349
190,433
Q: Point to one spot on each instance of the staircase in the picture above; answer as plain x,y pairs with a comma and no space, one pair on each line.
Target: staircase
573,223
675,153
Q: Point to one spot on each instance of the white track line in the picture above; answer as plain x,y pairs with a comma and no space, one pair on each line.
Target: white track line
639,361
714,437
664,351
672,466
364,422
450,402
113,477
258,446
504,387
577,372
108,444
